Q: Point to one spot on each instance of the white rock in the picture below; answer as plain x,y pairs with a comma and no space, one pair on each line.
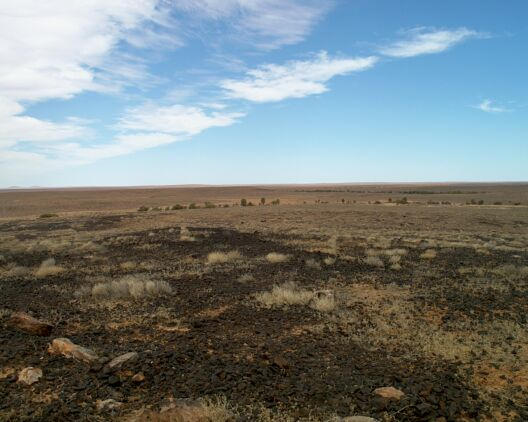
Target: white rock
389,393
120,360
108,404
29,375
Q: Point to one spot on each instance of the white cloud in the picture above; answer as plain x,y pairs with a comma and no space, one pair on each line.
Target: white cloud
428,41
56,49
295,79
175,119
488,107
268,24
15,127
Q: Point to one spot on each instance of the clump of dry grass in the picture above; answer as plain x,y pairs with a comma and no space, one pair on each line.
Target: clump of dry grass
395,259
373,261
185,235
329,261
245,278
312,263
511,272
286,294
128,265
199,411
275,257
428,254
92,247
324,303
48,268
395,267
16,271
223,257
128,287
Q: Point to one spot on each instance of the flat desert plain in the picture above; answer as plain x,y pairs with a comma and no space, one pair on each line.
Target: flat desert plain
316,303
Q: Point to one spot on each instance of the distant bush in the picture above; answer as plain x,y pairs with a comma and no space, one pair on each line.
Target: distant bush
402,201
262,201
143,208
48,215
275,202
178,207
130,287
209,205
193,206
157,209
243,202
377,202
250,204
226,205
497,203
480,202
389,200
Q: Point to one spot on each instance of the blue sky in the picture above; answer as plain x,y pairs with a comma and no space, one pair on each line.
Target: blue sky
262,91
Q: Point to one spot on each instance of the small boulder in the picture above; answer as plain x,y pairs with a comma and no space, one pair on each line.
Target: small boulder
30,325
120,360
29,375
139,377
389,393
64,346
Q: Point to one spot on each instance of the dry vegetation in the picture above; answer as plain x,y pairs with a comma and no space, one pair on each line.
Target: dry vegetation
271,313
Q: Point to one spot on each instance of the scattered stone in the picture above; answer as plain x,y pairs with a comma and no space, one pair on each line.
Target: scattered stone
64,346
390,393
120,360
30,325
29,375
108,404
139,377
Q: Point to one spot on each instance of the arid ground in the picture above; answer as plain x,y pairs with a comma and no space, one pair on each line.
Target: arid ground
297,311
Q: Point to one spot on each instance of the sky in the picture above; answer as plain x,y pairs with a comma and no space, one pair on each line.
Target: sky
166,92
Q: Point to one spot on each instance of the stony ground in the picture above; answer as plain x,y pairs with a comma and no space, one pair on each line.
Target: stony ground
351,299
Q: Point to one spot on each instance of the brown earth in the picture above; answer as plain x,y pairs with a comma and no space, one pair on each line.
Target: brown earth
449,331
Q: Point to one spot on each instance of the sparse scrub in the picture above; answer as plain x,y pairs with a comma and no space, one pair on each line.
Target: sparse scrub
48,215
245,278
275,257
143,208
130,287
222,257
17,271
48,268
428,254
128,265
312,263
185,235
275,202
287,294
178,207
329,261
324,303
373,261
243,202
209,205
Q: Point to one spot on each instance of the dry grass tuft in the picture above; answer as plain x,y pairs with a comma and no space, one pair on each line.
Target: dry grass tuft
324,303
245,278
329,261
128,265
128,287
222,257
428,254
17,271
287,294
373,261
48,268
185,235
312,263
275,257
200,411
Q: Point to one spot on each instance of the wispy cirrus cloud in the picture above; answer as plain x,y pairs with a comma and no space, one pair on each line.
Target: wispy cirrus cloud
418,41
295,79
488,106
267,24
